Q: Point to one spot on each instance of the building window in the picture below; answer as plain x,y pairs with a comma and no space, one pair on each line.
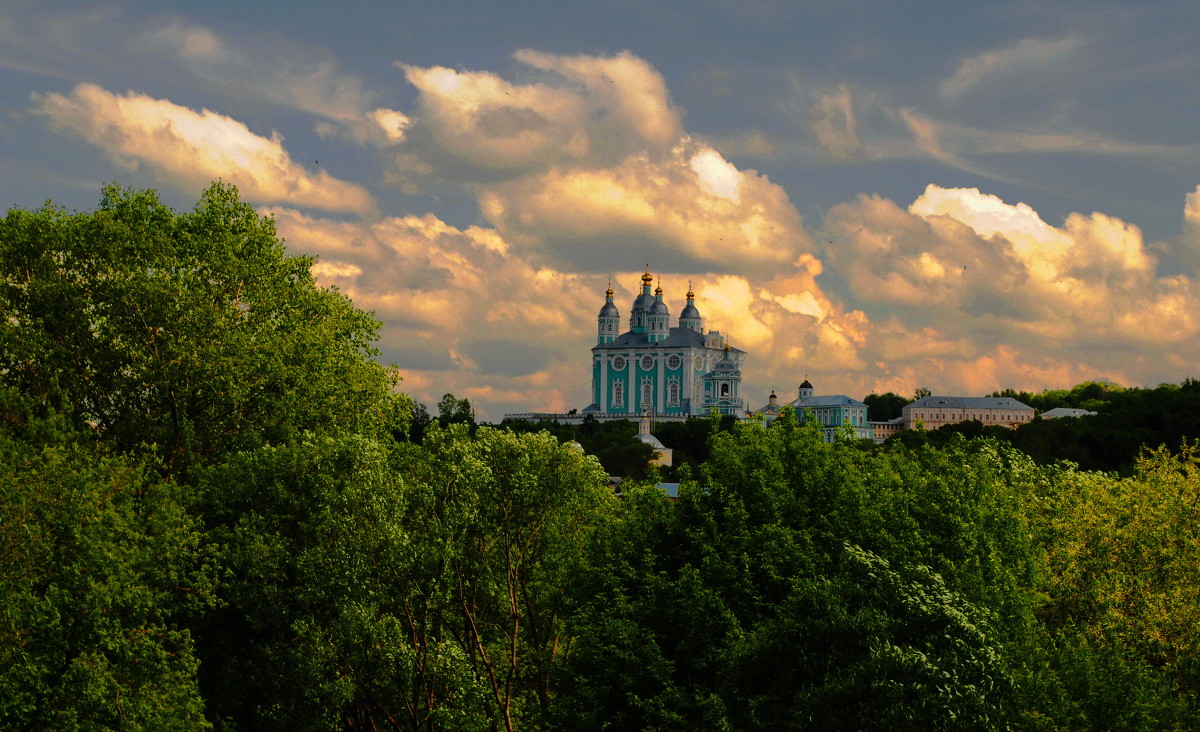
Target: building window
647,362
647,392
673,393
618,395
673,361
619,363
724,390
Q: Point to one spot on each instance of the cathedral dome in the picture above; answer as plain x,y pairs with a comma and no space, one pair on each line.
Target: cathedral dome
690,312
643,303
609,311
659,308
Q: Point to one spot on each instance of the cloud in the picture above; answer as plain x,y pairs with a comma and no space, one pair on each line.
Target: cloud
692,210
834,124
588,163
585,110
281,72
962,280
461,312
188,149
633,93
1027,54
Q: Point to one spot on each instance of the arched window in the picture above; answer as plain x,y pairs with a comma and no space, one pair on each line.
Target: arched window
673,393
647,393
618,397
724,390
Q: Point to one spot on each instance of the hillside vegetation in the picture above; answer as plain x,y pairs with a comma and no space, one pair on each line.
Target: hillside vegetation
214,514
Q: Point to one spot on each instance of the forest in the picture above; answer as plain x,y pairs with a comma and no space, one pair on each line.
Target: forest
215,513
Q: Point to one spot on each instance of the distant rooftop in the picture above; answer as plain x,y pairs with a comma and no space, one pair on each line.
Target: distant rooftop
956,402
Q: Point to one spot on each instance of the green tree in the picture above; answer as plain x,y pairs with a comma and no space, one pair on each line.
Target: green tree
420,587
794,577
452,410
99,567
884,407
193,333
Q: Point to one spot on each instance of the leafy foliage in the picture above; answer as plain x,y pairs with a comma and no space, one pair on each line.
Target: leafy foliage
215,512
194,333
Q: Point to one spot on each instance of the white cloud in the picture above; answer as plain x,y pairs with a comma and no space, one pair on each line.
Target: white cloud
967,287
666,210
267,68
188,149
589,163
627,87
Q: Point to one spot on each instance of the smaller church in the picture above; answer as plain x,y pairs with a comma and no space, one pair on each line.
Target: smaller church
658,369
835,412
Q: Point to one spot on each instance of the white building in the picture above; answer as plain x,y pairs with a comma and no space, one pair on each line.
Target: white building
937,411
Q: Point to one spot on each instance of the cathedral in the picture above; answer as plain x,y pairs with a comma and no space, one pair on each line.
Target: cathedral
653,368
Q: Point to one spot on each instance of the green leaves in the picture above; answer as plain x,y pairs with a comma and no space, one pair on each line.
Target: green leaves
194,333
98,564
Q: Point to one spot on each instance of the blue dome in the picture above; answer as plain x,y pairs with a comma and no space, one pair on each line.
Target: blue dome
690,313
609,311
659,308
643,303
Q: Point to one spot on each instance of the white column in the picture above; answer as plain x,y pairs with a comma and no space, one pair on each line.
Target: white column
602,402
662,383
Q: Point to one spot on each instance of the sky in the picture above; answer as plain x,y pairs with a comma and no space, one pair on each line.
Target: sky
874,195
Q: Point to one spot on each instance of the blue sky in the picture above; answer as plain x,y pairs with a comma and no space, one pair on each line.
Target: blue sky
964,196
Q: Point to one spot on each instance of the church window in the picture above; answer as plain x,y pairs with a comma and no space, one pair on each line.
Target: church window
647,392
619,363
618,395
673,393
724,390
647,362
673,361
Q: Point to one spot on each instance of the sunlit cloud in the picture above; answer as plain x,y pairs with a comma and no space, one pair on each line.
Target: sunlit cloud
288,74
588,163
835,125
586,110
1027,54
188,149
688,209
974,290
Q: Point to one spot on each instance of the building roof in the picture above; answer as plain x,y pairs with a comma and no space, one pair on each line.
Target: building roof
954,402
833,400
1066,412
677,338
651,440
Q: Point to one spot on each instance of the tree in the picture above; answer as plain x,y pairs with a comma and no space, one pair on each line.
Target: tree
412,586
797,583
99,566
884,407
452,410
921,393
192,333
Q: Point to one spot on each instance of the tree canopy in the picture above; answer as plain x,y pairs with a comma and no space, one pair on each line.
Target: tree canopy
216,512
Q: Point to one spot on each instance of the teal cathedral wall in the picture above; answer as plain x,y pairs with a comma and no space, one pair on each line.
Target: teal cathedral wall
659,369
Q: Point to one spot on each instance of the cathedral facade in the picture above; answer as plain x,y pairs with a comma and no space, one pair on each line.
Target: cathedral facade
654,368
